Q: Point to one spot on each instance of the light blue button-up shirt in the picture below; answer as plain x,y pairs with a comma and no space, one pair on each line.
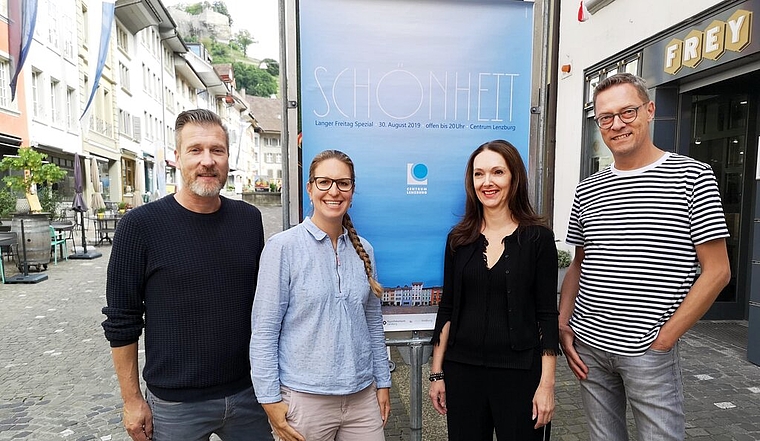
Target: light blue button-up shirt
316,325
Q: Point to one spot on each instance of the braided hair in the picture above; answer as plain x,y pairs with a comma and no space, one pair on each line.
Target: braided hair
347,223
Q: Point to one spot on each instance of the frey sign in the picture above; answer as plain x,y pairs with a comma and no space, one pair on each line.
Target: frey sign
733,34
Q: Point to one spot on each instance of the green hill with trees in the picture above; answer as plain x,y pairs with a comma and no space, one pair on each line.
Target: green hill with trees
257,77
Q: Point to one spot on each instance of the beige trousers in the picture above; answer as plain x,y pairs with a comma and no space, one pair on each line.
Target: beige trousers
335,417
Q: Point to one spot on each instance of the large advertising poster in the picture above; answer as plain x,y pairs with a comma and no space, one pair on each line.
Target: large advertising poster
409,89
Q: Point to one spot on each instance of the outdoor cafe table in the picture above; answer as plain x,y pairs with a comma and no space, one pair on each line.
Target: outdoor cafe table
104,226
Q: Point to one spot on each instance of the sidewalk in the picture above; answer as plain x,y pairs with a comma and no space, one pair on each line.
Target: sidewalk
721,388
57,380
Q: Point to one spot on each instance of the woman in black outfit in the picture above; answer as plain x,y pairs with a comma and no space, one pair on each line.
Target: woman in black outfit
496,336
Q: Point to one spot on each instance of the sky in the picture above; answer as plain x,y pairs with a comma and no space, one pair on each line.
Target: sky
259,17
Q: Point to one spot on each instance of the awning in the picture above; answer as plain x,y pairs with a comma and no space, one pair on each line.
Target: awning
8,140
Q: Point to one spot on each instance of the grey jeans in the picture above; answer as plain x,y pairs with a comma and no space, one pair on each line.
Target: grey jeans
238,417
652,384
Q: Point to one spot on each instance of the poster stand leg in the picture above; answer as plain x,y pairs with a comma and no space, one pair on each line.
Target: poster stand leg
416,346
415,389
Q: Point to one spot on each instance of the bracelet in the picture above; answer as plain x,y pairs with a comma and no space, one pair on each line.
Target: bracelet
435,376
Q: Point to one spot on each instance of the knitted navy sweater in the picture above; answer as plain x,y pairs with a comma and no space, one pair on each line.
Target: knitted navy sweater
192,278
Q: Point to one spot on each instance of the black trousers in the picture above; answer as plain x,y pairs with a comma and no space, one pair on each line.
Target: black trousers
480,399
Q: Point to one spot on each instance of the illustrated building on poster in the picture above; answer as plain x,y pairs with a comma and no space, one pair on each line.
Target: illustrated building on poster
414,295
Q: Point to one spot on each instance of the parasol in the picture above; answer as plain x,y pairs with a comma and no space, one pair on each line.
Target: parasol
160,189
80,207
97,197
137,200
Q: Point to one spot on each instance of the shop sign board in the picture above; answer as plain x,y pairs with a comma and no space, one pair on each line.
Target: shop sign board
718,39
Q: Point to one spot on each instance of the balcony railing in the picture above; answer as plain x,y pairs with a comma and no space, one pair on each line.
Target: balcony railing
101,126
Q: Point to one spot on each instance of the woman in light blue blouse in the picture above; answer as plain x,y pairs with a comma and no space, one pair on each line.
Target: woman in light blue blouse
318,359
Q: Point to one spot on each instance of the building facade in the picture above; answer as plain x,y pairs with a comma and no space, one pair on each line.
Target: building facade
14,128
123,129
53,88
699,59
268,147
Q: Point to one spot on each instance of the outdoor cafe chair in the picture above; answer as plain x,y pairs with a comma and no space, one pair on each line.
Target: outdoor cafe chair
55,241
69,233
7,239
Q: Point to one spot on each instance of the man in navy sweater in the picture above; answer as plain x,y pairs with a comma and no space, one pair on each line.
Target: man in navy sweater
184,268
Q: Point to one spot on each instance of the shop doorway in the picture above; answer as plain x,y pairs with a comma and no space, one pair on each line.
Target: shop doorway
723,130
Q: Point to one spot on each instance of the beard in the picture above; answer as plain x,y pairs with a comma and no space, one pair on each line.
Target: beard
206,189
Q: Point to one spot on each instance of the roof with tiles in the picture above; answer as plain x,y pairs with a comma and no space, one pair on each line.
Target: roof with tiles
267,111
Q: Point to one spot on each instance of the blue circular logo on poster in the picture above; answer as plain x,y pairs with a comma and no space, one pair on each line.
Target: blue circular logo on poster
420,171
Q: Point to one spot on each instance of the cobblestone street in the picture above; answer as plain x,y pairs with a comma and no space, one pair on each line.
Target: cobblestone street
57,380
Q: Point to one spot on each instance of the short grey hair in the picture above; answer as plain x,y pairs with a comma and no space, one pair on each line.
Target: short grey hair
201,117
623,78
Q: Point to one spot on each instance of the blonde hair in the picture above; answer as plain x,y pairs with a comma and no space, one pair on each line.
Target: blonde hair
347,223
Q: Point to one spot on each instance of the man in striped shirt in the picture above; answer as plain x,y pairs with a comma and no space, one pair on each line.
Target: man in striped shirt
642,229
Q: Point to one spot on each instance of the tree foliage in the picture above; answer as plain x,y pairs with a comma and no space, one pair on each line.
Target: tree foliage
273,67
197,8
7,202
244,39
31,169
194,9
220,52
257,82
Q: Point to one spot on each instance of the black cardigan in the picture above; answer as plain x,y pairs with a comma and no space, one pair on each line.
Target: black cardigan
531,289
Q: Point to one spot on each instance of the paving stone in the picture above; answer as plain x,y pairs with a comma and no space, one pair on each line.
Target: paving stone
63,382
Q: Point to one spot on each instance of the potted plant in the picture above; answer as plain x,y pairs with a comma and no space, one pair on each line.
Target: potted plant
122,206
101,213
563,261
27,170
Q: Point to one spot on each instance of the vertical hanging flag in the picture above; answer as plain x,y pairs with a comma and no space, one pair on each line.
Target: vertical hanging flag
583,13
99,27
22,16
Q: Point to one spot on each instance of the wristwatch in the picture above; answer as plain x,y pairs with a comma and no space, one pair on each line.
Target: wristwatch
435,376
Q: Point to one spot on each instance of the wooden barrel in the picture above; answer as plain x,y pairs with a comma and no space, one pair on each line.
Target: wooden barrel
36,238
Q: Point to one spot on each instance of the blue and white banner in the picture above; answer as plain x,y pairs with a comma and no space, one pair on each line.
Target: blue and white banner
409,89
100,26
22,17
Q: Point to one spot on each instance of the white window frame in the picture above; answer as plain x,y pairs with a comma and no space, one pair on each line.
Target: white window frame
124,77
68,43
53,25
5,82
122,39
71,108
55,101
36,102
125,123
